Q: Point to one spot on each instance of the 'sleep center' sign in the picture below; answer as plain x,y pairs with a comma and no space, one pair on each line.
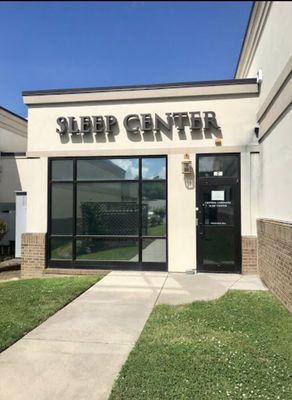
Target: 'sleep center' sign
135,123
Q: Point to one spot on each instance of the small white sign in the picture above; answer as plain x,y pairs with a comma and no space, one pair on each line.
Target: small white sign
217,173
217,195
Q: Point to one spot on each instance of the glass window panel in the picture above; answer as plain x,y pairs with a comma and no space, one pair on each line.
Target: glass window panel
219,166
107,208
62,170
154,208
61,248
154,168
62,208
107,169
218,246
107,249
154,250
221,211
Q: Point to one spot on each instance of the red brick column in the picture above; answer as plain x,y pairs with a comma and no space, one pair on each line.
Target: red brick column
249,253
33,255
275,258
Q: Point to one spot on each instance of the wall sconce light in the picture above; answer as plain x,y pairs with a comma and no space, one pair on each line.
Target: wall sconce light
187,165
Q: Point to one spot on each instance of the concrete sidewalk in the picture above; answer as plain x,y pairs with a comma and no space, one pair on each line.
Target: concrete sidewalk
184,288
78,352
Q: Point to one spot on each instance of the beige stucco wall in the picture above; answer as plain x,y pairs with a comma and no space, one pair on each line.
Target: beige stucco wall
37,190
28,175
181,218
12,177
13,132
273,55
11,141
276,177
235,115
274,47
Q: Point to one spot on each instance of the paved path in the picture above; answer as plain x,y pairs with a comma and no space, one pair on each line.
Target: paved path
78,352
184,288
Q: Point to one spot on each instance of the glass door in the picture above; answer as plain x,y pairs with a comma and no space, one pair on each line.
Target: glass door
218,215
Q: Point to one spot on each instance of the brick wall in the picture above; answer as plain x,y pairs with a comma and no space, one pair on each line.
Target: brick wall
33,254
275,258
75,271
249,254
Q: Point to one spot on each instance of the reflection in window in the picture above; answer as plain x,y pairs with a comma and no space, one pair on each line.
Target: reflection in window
154,250
218,246
153,168
107,249
221,166
62,170
120,210
62,208
107,208
107,169
154,208
61,248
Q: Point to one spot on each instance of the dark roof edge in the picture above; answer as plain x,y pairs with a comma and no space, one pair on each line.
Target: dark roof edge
13,113
139,87
244,38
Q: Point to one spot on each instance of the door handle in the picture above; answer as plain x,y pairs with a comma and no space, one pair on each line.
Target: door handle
201,229
200,220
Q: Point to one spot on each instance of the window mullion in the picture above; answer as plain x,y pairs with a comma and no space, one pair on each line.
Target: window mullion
140,209
74,210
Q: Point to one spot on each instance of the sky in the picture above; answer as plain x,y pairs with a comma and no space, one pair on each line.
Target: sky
56,45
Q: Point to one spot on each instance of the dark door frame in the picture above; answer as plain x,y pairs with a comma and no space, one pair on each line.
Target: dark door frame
210,181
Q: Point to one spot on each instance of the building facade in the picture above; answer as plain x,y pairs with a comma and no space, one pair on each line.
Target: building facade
130,175
268,48
187,176
13,146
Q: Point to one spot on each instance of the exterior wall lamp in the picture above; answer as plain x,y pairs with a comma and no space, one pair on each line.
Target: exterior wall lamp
187,165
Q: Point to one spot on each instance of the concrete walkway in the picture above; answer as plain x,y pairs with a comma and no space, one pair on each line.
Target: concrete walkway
78,352
184,288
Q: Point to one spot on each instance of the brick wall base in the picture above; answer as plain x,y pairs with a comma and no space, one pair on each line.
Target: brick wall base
275,258
249,252
33,254
75,271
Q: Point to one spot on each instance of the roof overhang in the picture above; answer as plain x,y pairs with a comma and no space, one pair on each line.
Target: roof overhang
159,91
9,121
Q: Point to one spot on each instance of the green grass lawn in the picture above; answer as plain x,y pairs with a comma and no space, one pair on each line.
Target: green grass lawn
24,304
238,347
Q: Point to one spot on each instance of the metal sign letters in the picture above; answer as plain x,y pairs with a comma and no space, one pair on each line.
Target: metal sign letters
135,123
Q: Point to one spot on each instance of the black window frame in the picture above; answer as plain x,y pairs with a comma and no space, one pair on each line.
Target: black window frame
214,177
93,264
